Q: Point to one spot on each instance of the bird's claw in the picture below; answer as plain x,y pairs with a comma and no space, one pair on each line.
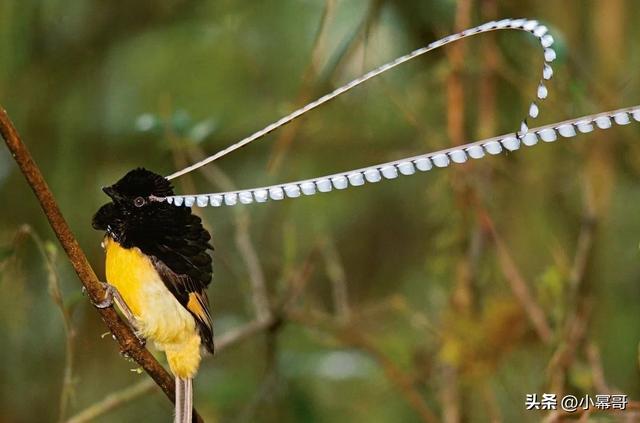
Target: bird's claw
141,339
111,297
107,301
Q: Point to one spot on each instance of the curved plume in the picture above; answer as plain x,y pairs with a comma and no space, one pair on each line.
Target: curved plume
408,166
531,26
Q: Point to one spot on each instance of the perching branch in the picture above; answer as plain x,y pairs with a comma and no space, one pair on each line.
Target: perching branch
129,344
130,393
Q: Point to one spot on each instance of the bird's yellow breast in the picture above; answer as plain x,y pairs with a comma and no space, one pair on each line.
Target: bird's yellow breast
129,270
159,315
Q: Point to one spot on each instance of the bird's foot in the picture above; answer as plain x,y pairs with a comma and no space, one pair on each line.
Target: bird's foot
109,294
141,339
112,296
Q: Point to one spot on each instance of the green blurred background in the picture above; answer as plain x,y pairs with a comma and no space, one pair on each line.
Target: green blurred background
404,300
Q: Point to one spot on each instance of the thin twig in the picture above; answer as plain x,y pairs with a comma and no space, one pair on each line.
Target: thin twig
395,374
248,253
486,107
489,52
113,401
128,342
630,413
336,275
518,285
597,371
56,294
578,304
306,90
490,399
298,282
455,87
236,335
462,297
450,393
217,177
585,240
268,385
353,337
247,250
563,357
128,394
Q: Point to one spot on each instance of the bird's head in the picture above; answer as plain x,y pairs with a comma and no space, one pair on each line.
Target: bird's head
135,194
138,188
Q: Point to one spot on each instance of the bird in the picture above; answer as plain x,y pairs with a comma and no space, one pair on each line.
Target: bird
158,268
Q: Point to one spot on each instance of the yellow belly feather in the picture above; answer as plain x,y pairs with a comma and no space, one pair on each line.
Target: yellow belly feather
159,316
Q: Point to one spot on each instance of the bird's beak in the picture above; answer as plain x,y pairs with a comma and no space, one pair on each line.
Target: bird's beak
110,192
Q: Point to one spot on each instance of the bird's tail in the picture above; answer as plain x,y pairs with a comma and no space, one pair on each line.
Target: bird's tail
184,400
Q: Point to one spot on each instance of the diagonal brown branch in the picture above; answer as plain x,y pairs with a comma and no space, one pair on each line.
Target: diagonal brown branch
518,285
129,344
402,380
130,393
351,336
579,303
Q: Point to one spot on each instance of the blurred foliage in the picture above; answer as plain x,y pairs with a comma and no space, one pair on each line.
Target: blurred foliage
99,87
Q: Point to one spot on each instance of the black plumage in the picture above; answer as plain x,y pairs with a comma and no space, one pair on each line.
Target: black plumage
172,237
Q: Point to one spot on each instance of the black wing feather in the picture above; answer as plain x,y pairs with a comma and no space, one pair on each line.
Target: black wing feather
181,286
179,252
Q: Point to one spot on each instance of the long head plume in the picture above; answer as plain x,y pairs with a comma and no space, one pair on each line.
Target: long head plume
531,26
408,166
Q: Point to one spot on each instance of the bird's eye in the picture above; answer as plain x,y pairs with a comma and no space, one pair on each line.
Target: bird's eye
139,202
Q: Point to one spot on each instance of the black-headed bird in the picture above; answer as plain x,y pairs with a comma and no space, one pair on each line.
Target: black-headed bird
158,269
